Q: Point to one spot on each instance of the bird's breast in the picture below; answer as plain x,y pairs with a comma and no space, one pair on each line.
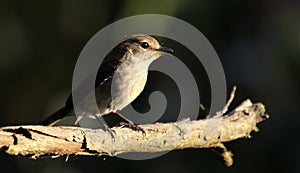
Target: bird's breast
136,86
127,84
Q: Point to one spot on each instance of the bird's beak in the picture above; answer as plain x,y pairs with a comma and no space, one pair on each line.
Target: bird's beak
166,50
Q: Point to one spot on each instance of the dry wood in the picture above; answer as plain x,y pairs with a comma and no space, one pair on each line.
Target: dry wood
34,141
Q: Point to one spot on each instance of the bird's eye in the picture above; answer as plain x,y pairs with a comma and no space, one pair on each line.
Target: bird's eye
144,45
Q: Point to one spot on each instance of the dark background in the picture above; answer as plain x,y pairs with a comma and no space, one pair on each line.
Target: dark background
258,43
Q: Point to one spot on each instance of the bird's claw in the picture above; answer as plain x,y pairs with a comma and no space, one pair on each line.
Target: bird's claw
132,126
111,132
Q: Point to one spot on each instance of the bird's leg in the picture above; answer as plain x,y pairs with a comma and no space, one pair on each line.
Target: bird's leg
129,123
106,127
78,118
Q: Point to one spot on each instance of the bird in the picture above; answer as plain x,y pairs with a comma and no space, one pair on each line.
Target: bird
120,79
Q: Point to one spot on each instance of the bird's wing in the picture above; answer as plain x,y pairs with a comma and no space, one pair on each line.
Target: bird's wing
106,70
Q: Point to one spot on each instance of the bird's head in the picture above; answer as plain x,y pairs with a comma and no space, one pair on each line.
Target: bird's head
144,47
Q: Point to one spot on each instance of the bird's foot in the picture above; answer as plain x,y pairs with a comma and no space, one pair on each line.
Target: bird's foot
106,127
111,132
132,126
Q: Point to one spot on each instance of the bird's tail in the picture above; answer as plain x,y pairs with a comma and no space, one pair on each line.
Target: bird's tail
56,117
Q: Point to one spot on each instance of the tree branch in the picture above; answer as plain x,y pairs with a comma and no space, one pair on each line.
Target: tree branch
34,141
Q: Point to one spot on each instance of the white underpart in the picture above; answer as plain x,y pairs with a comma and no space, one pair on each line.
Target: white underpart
130,78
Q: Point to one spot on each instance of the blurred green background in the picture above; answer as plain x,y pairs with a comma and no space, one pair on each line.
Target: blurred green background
258,43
